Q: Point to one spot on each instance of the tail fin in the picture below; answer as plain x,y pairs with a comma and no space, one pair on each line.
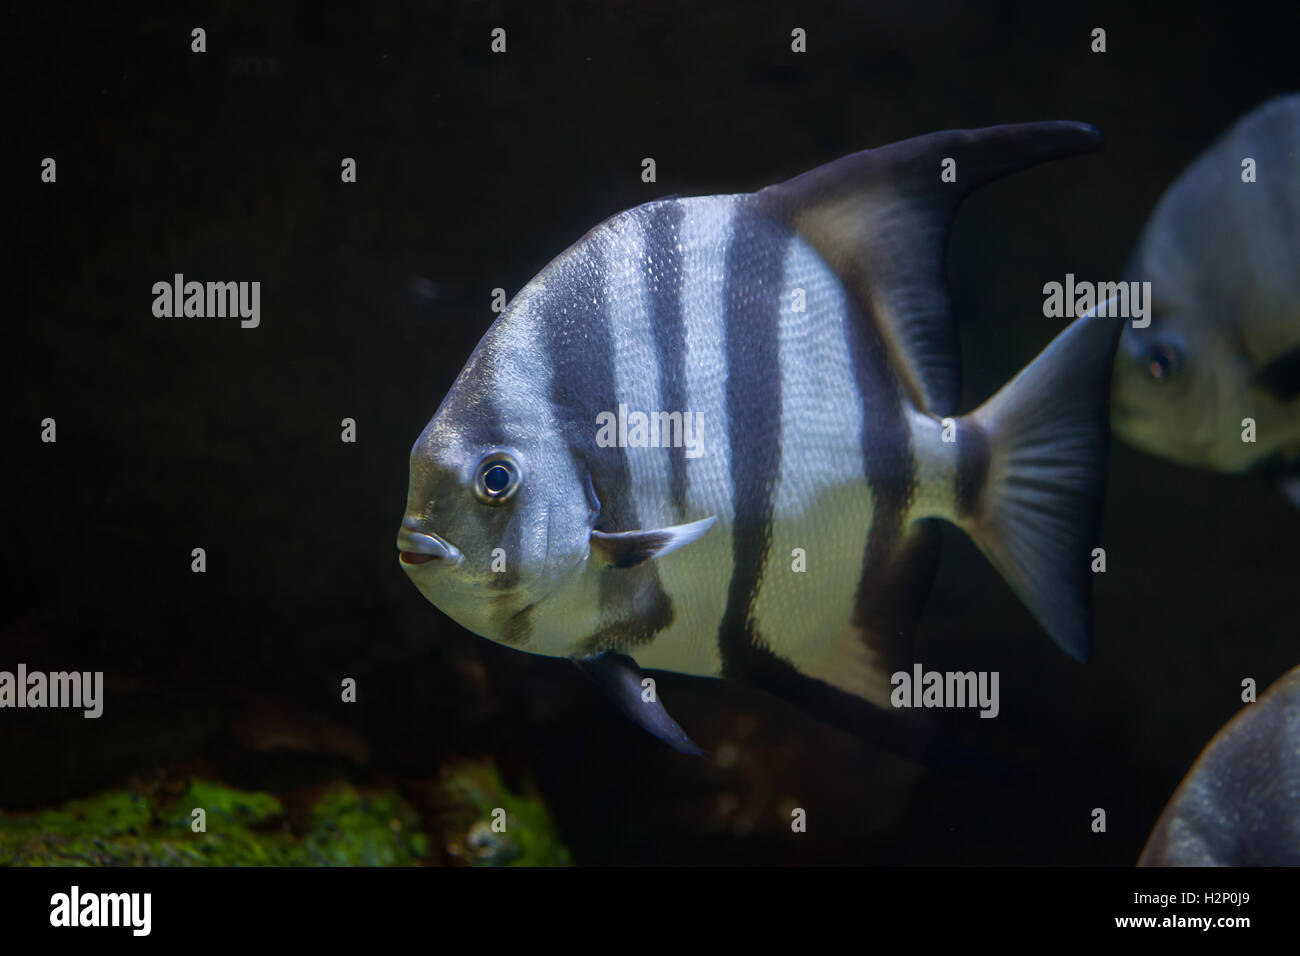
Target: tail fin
1035,507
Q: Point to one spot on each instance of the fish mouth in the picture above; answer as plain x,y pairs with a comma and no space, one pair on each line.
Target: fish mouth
414,557
424,547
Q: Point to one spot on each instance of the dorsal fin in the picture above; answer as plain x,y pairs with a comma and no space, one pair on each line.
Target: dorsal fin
880,219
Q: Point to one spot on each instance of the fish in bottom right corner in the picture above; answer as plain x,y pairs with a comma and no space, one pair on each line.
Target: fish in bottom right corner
1240,804
1213,381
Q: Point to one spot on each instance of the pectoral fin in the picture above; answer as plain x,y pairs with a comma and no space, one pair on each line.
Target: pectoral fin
618,676
627,549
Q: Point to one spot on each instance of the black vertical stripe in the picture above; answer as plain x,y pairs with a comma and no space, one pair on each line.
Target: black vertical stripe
972,468
753,413
889,461
580,350
514,627
752,298
497,527
669,327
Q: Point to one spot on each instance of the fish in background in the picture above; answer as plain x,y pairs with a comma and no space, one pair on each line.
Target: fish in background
1223,344
803,332
1240,804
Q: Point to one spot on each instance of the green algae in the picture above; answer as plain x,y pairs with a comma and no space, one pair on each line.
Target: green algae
522,835
379,829
133,827
478,822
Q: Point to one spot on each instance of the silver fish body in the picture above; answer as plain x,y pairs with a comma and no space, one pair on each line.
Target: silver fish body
1223,345
1240,803
804,329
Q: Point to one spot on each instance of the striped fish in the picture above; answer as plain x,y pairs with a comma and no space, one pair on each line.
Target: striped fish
1240,803
804,331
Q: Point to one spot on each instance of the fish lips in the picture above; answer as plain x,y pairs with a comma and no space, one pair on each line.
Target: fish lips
421,548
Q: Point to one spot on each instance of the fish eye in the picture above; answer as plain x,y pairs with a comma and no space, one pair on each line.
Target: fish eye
497,479
1162,362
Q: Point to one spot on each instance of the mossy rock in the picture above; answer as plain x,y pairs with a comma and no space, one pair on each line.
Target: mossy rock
494,826
138,827
378,829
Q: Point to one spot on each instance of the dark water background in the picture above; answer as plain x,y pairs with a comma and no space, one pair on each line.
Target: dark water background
474,170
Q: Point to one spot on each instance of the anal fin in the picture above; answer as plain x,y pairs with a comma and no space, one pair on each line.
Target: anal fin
618,675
